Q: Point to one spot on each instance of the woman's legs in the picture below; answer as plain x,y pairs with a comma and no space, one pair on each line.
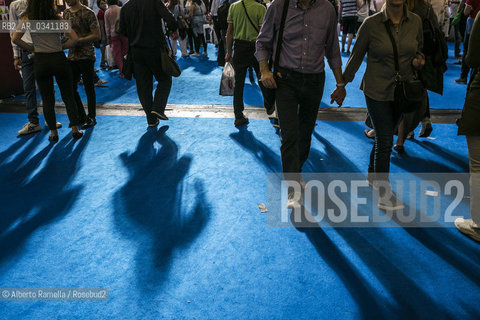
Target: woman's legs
384,120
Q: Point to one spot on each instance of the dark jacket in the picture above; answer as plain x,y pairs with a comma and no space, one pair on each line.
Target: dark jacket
141,22
435,47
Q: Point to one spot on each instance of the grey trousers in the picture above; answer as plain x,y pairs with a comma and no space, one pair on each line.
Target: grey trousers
473,143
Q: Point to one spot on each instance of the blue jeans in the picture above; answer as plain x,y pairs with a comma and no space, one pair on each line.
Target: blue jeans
298,98
385,119
28,78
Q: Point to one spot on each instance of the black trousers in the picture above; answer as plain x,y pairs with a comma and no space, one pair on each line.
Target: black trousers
221,43
84,69
298,98
47,66
147,64
243,58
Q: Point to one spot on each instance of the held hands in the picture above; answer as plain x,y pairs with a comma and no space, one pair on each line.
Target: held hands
338,95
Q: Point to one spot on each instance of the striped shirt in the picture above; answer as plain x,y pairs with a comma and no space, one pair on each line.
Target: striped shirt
349,8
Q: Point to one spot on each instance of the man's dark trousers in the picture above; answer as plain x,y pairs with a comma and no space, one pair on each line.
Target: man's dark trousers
146,65
298,97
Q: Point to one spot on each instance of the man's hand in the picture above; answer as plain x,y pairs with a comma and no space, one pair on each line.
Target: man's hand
228,56
17,64
338,95
268,80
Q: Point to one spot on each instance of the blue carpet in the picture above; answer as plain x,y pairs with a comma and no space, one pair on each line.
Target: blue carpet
200,79
168,221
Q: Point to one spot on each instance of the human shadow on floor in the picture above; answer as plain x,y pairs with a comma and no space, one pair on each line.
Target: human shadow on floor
246,139
39,190
159,208
378,253
458,159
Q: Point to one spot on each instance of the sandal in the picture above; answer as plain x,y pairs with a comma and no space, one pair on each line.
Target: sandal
77,135
53,138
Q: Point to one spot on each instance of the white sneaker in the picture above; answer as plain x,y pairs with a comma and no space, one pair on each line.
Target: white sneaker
390,202
294,200
29,128
59,125
468,228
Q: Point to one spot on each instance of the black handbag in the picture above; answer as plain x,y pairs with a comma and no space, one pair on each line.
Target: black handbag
169,64
409,94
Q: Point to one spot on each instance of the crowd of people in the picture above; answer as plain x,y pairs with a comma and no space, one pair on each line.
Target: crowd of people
286,43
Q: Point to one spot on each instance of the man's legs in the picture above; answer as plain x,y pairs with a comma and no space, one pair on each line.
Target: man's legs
221,46
238,107
87,71
28,77
76,74
310,99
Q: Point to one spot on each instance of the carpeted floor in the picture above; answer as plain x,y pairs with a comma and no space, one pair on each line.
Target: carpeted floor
168,221
200,80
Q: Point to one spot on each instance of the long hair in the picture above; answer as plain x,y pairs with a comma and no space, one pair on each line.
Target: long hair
41,10
172,4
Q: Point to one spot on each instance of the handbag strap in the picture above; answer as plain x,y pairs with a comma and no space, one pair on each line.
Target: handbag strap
280,35
248,17
395,52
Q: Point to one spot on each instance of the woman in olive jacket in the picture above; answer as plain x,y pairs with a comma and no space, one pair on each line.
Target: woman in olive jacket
469,125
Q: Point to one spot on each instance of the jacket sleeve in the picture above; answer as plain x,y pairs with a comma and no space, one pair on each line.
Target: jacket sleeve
167,16
473,54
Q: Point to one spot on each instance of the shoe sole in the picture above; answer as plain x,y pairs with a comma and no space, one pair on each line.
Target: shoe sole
159,116
29,132
388,208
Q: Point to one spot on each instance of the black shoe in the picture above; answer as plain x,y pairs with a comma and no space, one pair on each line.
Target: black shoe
77,135
91,122
154,124
159,115
271,110
53,139
461,80
241,121
426,129
399,149
276,123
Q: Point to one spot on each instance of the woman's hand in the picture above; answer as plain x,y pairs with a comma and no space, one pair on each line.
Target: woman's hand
419,61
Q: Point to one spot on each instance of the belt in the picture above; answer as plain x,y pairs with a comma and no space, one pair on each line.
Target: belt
299,74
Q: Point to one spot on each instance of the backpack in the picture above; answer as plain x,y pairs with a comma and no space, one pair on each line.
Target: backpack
222,14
